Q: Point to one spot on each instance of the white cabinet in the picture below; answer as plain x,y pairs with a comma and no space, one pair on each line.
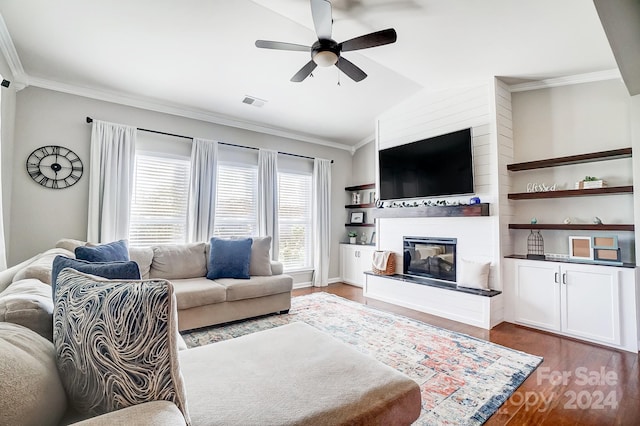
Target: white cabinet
591,302
537,295
354,261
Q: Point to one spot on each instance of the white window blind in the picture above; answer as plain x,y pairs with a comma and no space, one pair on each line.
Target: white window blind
237,201
295,220
159,204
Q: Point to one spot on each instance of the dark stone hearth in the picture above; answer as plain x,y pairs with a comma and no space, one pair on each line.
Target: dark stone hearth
439,284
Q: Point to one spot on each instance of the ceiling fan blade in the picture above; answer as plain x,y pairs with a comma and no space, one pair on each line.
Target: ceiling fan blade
279,45
352,71
322,20
304,72
379,38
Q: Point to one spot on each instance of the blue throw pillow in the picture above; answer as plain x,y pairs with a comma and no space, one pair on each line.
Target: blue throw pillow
109,270
229,258
116,251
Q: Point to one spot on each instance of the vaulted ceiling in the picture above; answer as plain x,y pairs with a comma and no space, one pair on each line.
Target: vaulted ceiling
198,58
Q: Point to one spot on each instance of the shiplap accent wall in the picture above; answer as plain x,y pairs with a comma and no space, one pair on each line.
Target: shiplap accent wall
431,114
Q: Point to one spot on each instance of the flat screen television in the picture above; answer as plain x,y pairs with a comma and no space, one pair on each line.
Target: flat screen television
438,166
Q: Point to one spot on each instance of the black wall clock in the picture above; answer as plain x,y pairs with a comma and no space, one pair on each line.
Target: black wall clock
54,167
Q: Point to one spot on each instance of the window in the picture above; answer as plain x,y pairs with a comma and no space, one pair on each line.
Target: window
159,203
295,220
237,201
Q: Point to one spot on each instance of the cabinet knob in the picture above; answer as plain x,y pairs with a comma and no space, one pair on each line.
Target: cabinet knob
556,278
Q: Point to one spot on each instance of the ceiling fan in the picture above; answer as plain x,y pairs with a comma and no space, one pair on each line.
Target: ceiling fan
326,51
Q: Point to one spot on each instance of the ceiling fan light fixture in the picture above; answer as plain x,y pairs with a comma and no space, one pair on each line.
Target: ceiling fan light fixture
325,58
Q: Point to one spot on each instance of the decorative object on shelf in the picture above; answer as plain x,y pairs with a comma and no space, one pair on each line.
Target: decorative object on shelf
363,238
606,250
352,237
372,197
54,167
590,182
534,220
474,200
597,220
356,217
379,204
373,238
580,248
384,262
355,198
567,220
535,246
541,187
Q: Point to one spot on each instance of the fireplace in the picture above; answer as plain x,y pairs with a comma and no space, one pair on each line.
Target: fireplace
430,257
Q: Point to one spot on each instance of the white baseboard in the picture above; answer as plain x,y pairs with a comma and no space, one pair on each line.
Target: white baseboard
310,284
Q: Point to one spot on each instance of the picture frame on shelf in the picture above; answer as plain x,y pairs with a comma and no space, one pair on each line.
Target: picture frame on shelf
356,217
581,248
373,238
606,250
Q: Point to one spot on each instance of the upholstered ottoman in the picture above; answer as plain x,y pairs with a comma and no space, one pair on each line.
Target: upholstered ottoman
294,375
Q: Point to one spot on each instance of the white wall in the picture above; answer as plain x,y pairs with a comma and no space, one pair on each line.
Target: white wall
364,165
8,110
431,114
569,120
41,216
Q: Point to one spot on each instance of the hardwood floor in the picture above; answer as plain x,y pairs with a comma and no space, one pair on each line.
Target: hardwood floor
601,386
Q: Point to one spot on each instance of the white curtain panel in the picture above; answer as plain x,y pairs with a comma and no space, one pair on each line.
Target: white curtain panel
3,248
268,198
321,221
202,190
113,149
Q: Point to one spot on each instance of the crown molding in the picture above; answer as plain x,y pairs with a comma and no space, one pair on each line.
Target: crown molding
178,110
363,142
591,77
11,55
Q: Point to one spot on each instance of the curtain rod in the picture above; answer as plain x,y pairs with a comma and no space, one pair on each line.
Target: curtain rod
90,120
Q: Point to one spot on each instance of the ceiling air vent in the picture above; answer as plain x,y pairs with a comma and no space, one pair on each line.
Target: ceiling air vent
250,100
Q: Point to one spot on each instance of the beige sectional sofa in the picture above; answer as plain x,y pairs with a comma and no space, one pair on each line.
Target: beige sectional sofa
290,375
201,302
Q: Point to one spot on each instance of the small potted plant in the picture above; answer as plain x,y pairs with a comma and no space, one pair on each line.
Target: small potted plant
352,237
590,182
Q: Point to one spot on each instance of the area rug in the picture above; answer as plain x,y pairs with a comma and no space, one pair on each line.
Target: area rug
463,380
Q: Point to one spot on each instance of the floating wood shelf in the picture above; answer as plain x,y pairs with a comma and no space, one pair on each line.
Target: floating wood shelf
365,225
572,159
361,187
574,226
472,210
360,206
571,193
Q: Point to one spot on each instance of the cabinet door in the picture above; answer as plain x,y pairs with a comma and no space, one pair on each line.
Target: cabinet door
591,302
537,294
350,264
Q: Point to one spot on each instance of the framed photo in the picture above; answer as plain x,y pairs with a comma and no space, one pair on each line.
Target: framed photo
606,250
580,248
373,238
356,217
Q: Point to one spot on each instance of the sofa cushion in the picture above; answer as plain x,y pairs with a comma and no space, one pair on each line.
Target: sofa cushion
116,251
31,391
178,261
40,269
116,342
193,292
260,263
28,303
70,244
229,258
256,286
143,256
111,270
156,413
